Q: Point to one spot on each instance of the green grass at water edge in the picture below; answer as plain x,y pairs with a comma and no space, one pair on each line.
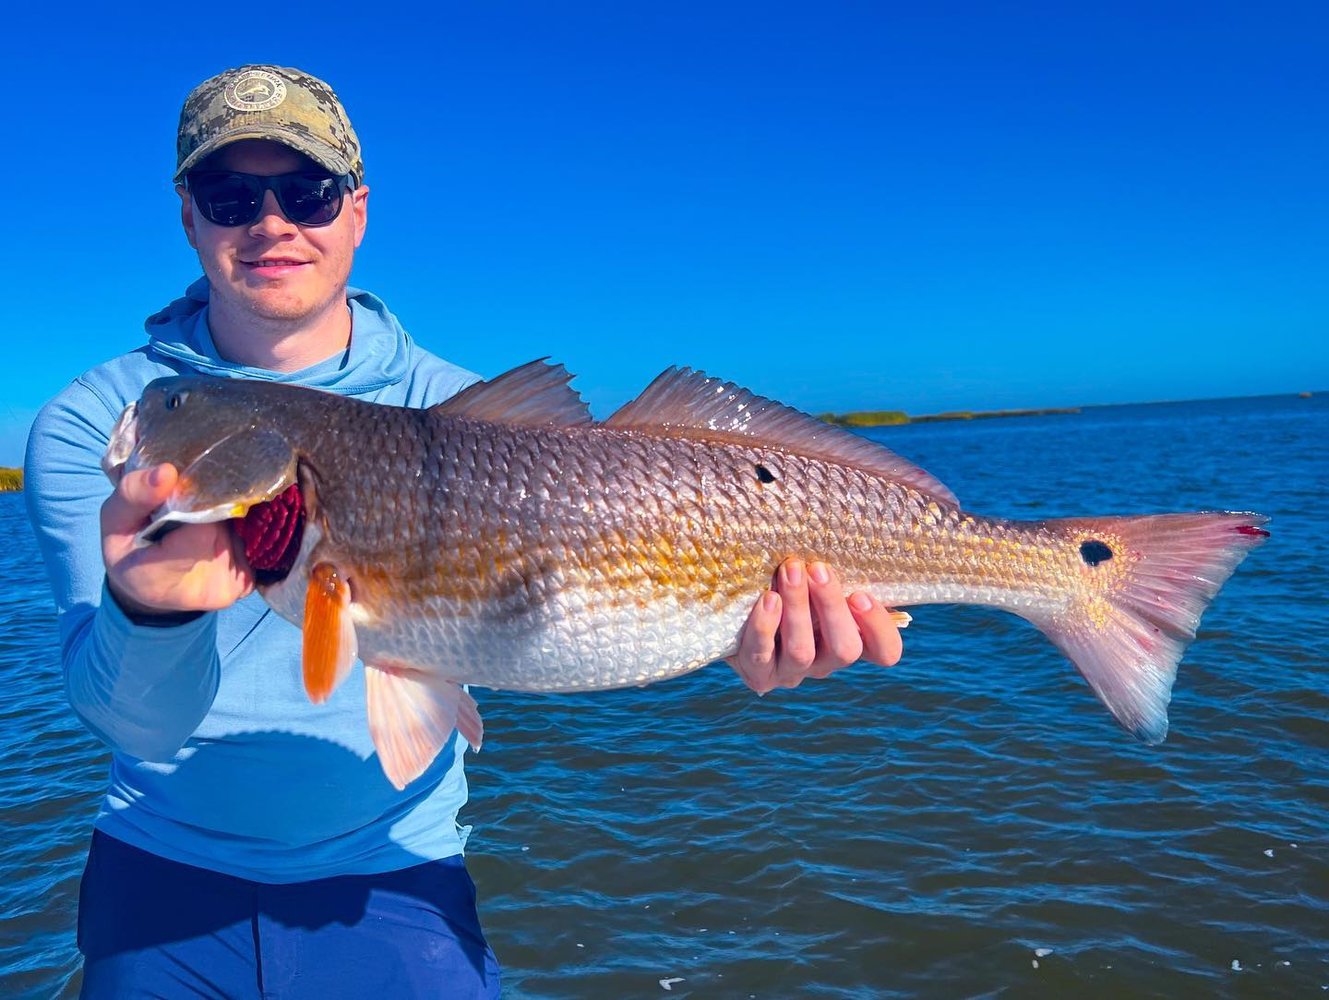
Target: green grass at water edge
886,418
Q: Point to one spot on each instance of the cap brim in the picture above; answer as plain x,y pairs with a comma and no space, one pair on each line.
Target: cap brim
321,153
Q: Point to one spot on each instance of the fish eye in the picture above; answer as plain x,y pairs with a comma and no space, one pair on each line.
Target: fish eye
175,400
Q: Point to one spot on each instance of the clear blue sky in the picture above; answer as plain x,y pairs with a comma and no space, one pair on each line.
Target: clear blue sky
842,205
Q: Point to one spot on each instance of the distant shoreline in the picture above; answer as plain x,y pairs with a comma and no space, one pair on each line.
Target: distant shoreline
11,480
891,418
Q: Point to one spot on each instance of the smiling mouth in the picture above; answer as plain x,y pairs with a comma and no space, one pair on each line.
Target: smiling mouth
274,263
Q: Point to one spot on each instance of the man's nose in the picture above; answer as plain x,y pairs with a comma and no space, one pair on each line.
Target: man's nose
271,221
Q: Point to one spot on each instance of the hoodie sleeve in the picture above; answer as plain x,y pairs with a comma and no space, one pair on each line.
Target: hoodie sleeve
142,689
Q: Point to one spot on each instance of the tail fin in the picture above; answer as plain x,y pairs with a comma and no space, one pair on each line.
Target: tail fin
1128,626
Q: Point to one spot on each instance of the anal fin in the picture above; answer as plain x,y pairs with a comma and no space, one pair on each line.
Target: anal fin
329,632
412,714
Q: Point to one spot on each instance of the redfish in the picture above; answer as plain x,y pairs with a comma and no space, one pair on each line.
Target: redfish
506,540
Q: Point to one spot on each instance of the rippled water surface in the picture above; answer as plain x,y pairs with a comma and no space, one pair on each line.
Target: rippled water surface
969,824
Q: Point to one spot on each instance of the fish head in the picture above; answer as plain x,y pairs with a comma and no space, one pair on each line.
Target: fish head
223,442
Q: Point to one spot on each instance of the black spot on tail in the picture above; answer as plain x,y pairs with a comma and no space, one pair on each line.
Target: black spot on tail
765,475
1094,552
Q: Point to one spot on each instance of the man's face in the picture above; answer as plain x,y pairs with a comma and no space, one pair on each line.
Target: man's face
271,268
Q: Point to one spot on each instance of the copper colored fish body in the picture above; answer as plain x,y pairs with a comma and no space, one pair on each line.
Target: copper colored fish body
503,539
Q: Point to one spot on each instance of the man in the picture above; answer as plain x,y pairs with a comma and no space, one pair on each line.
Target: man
248,842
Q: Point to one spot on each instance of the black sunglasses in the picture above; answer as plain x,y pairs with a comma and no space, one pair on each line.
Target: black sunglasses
307,198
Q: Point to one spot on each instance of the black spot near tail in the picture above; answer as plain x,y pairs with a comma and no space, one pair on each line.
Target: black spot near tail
1094,552
765,475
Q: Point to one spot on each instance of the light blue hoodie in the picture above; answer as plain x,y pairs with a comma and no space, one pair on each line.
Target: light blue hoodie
220,760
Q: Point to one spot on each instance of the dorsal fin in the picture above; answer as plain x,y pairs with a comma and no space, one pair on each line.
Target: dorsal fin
535,394
685,400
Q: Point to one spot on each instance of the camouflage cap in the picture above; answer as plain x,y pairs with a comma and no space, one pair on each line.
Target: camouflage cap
268,102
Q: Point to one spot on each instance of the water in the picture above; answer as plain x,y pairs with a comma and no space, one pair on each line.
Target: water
970,823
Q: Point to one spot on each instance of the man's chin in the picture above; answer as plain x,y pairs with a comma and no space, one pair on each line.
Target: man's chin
283,311
278,306
274,302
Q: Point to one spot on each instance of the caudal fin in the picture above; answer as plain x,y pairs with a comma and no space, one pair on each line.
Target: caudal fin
1149,580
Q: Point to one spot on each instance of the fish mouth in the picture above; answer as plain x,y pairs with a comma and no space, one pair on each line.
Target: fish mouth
182,506
120,449
167,518
122,455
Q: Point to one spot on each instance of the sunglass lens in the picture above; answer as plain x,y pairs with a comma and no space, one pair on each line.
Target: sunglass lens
226,199
310,199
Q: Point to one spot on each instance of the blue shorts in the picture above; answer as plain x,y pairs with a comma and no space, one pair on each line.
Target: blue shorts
149,927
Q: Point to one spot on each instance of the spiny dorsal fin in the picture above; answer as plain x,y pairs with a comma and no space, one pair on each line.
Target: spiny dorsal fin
536,394
685,400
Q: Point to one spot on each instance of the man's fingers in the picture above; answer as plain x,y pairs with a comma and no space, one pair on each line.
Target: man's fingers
138,494
194,568
149,487
839,643
806,627
798,640
878,627
197,567
755,659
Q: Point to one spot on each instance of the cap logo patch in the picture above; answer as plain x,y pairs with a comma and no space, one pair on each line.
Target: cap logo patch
255,90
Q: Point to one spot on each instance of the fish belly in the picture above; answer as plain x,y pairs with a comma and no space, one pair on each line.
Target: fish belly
582,640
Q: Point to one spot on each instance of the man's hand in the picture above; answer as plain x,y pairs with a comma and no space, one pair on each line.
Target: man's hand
805,627
196,567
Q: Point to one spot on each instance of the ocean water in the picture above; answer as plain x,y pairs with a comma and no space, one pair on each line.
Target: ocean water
970,823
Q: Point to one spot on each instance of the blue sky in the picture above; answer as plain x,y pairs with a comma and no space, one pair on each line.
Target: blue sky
841,205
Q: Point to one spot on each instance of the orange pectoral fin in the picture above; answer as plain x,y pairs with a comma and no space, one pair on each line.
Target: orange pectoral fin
329,640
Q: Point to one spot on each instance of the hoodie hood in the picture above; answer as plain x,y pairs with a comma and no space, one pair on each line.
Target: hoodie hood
379,355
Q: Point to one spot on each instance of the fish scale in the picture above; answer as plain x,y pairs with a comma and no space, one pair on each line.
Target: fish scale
503,539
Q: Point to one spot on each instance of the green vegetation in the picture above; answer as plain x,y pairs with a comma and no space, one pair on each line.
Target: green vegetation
867,418
11,480
984,415
884,418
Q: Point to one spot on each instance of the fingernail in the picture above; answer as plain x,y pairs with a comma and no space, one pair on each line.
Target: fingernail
793,572
770,601
860,602
155,476
820,573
